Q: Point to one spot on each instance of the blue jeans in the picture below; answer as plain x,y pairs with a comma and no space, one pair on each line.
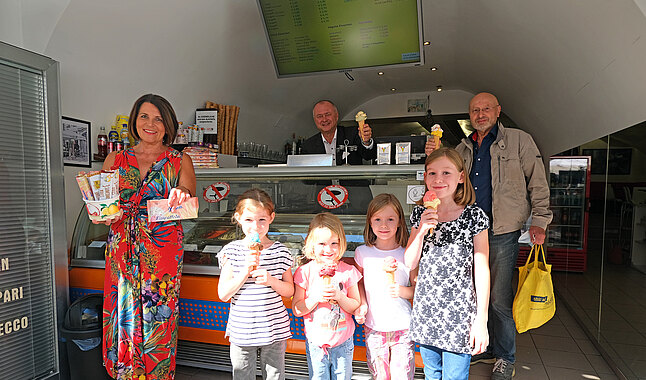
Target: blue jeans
444,365
336,364
503,252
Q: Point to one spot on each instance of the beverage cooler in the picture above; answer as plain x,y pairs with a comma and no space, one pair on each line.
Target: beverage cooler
298,193
566,244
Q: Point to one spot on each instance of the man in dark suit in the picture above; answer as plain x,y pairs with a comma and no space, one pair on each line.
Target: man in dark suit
333,139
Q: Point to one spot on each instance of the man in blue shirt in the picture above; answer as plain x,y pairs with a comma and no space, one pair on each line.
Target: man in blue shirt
508,176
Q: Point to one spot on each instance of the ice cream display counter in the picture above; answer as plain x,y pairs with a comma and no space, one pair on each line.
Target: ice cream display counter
298,193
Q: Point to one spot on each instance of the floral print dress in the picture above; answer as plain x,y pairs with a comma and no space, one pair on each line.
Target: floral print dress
444,305
142,275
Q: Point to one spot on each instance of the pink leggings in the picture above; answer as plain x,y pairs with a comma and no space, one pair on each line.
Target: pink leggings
390,355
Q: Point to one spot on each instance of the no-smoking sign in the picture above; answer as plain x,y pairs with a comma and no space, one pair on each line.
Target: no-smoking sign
331,197
216,192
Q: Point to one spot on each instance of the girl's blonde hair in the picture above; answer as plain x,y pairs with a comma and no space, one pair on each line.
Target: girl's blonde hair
464,193
322,221
378,203
253,199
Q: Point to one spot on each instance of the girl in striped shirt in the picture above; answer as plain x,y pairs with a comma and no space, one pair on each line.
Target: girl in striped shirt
258,320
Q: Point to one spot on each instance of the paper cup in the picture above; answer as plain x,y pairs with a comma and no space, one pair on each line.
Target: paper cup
103,210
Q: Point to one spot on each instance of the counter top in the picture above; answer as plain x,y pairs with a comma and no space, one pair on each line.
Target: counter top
285,171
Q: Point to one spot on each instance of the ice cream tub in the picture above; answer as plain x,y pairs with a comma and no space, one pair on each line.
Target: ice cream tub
103,210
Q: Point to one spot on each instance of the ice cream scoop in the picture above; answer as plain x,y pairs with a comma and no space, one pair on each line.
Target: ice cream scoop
390,266
255,246
431,200
360,118
327,272
436,132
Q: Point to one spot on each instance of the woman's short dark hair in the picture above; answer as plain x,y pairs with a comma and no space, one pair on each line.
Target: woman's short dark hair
165,109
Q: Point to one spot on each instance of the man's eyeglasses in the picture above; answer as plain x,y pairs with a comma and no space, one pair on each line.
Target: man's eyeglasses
476,111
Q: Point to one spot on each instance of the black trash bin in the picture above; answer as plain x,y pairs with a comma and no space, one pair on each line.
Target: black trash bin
82,330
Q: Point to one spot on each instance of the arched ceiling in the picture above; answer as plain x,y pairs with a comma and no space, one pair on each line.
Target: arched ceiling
566,71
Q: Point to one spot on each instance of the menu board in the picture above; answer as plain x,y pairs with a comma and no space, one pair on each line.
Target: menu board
308,36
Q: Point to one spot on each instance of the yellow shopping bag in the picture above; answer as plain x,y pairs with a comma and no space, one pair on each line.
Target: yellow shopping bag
534,303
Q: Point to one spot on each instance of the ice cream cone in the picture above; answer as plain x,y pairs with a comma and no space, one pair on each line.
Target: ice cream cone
390,267
255,246
436,132
360,118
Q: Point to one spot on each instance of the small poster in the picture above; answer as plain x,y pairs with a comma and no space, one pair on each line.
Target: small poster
207,119
216,192
333,196
414,193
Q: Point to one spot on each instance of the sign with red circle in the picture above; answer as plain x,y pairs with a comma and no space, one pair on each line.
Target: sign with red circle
333,196
216,192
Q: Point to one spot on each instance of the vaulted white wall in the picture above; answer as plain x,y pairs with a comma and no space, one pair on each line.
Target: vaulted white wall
566,71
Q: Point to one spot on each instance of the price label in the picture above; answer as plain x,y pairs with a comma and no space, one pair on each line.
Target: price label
216,192
331,197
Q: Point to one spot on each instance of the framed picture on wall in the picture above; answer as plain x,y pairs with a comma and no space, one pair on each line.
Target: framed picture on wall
76,142
619,160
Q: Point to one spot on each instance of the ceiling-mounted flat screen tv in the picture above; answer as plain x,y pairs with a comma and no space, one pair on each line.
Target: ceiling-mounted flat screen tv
318,36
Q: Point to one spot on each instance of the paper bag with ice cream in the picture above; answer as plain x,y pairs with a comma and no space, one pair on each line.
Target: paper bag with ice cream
100,190
361,117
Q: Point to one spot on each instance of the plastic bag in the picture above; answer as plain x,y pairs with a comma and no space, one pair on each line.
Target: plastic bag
534,303
87,344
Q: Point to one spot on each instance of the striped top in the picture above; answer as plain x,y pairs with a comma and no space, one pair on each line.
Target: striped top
257,316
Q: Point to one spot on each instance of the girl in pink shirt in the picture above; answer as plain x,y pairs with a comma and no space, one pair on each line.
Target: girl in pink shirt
325,295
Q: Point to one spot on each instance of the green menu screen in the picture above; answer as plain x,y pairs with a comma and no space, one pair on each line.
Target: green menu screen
321,35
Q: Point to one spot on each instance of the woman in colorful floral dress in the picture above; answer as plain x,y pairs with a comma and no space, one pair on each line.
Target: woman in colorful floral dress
143,261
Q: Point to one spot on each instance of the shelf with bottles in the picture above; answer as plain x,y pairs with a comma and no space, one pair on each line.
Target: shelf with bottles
565,236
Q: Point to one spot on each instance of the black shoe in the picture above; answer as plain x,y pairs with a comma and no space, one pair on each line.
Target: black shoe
485,357
503,370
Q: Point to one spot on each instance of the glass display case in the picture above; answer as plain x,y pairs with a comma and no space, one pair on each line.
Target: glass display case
567,235
298,194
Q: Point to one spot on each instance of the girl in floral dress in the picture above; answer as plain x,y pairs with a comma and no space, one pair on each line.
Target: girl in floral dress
449,318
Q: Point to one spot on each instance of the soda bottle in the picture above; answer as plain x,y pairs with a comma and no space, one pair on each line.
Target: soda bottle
102,141
113,137
124,137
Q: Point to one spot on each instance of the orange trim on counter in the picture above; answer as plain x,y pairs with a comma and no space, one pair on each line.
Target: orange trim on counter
87,278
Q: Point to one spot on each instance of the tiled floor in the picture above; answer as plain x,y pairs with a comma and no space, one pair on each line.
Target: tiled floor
558,350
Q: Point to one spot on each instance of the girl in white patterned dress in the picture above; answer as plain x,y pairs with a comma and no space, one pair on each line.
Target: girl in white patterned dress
449,318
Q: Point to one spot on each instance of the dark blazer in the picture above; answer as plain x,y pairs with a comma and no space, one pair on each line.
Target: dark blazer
314,145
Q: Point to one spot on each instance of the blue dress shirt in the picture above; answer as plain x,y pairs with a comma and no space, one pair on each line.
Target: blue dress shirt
480,175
